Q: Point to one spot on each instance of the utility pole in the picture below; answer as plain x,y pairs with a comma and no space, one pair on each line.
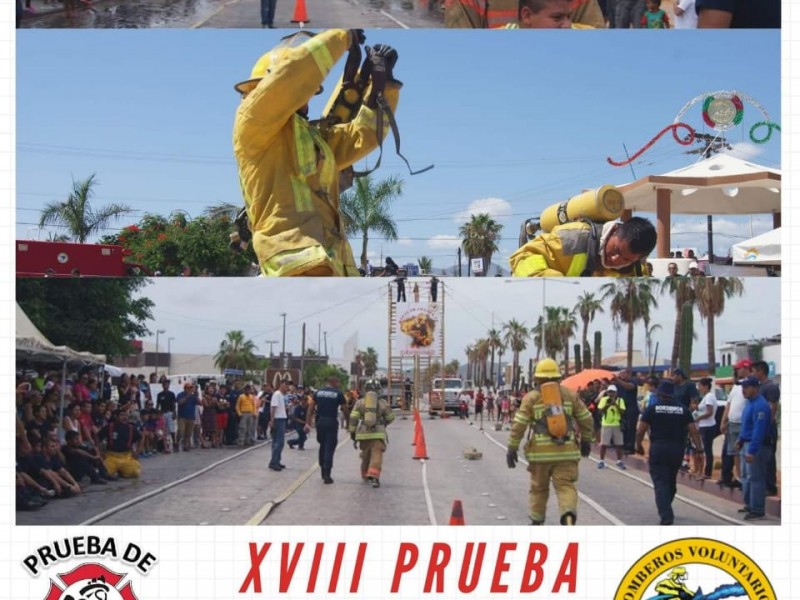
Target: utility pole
459,261
283,343
326,343
169,353
319,338
303,355
158,331
271,343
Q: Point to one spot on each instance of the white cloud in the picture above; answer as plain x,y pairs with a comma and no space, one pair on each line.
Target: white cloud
446,242
404,241
496,208
746,150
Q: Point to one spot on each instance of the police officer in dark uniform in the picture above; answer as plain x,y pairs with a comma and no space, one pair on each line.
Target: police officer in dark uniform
668,422
325,416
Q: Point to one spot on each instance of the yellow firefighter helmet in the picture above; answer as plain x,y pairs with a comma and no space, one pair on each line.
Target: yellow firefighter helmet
678,574
547,369
273,57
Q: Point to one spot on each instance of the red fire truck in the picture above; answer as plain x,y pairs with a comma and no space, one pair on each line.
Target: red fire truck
67,259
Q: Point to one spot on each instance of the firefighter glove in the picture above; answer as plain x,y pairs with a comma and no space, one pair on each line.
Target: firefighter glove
511,458
388,54
586,449
353,435
358,37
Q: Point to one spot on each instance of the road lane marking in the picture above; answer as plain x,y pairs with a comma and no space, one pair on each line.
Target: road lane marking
214,14
680,497
164,488
398,21
263,512
599,509
428,499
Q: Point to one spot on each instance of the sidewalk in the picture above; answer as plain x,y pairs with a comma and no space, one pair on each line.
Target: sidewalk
708,486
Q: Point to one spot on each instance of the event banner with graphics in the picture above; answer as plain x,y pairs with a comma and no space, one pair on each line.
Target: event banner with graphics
419,329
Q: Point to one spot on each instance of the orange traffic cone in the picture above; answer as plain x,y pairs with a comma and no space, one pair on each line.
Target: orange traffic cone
420,451
416,433
300,13
457,514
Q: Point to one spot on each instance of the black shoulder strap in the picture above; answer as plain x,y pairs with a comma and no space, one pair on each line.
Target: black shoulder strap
593,252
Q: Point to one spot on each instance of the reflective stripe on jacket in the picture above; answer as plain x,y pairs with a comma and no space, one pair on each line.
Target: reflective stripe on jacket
563,252
376,432
289,171
541,447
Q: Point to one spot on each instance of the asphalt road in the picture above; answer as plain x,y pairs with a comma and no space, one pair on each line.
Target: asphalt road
366,14
236,488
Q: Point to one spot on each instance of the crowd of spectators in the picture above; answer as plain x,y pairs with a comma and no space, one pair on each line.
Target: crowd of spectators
108,427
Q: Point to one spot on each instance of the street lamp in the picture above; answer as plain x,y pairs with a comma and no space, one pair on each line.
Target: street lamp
169,352
271,343
158,331
283,342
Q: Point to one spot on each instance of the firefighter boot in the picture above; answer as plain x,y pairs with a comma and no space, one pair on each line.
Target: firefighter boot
568,518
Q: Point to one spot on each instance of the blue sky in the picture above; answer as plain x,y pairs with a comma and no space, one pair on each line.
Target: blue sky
514,121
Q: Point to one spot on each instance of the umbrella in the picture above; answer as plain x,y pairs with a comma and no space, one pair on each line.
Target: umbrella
582,379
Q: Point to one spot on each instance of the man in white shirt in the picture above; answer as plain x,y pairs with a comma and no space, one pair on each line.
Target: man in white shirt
731,426
685,15
277,424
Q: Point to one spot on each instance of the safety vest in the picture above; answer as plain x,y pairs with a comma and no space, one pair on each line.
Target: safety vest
542,447
383,416
569,250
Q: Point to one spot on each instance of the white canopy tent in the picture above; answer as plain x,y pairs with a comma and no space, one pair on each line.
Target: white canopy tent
720,185
33,345
762,250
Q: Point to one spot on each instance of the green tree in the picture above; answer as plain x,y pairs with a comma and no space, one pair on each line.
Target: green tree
515,336
367,207
168,244
495,343
236,352
630,300
77,214
587,307
682,290
425,264
94,315
369,359
711,294
479,238
317,375
451,368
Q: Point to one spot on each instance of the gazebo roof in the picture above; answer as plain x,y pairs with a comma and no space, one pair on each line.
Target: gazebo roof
720,185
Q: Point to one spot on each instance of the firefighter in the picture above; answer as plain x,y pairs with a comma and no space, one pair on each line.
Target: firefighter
582,249
481,14
289,167
368,421
673,586
553,450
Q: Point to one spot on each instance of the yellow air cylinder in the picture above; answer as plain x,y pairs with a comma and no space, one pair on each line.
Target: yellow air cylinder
600,205
343,109
555,417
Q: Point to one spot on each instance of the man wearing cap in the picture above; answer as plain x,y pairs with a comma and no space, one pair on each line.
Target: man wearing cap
694,270
731,426
668,421
187,407
755,445
612,410
324,413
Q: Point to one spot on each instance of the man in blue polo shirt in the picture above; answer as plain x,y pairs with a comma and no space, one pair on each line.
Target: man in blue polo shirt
755,445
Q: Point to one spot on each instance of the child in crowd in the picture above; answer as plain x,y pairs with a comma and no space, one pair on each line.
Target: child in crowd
654,17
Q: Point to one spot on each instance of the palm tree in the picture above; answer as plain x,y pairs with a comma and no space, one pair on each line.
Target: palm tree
482,348
236,352
516,339
451,368
682,289
649,330
566,326
553,342
76,213
495,343
469,351
366,208
425,264
630,300
587,307
479,238
226,210
711,293
369,359
538,333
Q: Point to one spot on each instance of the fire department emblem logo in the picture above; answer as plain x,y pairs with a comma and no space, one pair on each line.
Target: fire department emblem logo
695,569
90,581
